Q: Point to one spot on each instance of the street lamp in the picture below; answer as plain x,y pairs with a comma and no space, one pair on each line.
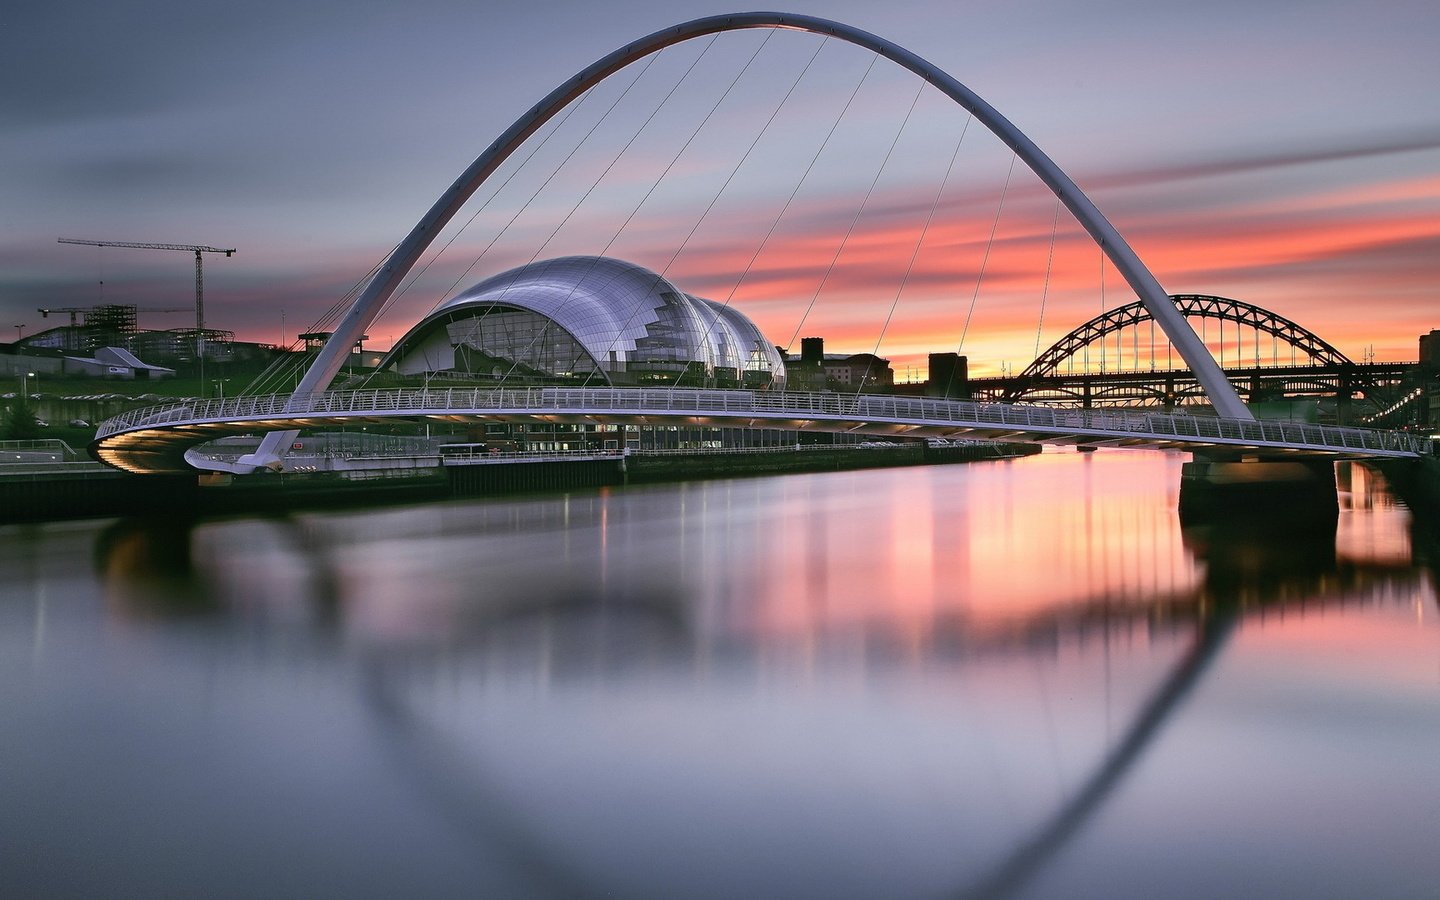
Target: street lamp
25,386
220,386
19,332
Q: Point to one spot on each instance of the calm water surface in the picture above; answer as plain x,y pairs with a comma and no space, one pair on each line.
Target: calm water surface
1015,679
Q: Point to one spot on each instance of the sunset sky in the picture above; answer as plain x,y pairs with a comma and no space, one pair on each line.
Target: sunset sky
1285,153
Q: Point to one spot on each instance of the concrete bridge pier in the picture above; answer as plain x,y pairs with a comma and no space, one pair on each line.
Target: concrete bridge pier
1216,488
1417,483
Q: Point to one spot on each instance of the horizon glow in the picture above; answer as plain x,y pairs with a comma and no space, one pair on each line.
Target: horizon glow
1333,224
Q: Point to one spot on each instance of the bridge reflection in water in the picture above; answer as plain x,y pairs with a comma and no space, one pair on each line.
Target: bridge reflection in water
998,679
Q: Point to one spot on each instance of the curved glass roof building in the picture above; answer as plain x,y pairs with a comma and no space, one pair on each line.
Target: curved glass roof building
588,320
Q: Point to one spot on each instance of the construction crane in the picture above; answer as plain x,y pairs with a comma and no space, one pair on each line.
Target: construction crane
72,310
84,310
197,249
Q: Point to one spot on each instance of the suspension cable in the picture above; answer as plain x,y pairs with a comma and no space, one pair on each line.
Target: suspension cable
481,209
660,275
858,212
764,242
558,168
598,179
984,260
1045,291
616,236
555,172
915,254
716,198
628,144
1103,306
515,363
733,172
518,169
284,365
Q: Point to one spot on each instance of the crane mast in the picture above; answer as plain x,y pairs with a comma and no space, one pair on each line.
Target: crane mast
197,249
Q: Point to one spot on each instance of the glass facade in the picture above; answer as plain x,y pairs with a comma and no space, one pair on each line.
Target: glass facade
500,341
593,320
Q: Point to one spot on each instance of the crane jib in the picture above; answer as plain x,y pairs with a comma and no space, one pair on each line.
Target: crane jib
198,250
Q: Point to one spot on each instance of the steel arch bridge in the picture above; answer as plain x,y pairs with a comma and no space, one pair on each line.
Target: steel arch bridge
1172,388
123,442
1200,306
407,253
1316,368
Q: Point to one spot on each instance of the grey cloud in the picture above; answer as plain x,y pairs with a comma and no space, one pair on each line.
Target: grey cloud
1356,148
132,173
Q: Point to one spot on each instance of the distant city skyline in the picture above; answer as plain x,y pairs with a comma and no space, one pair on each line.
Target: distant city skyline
1287,156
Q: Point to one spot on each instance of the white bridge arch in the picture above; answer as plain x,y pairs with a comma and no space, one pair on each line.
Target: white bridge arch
1227,403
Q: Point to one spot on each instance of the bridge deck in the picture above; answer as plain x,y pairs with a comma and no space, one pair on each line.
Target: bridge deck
154,439
1134,387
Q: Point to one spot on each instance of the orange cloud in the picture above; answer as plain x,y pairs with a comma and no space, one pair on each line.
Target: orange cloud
1356,263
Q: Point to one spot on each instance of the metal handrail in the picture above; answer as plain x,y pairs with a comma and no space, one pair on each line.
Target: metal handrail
40,445
765,404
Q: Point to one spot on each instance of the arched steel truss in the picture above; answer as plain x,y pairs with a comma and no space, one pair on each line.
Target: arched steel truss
407,252
1175,388
1202,306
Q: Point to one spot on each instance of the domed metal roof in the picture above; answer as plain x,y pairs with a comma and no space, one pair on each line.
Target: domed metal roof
626,317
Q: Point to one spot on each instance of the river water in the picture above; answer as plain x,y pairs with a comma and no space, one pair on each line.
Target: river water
1009,679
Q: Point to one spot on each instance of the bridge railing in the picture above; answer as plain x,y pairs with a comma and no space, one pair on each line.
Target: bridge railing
768,405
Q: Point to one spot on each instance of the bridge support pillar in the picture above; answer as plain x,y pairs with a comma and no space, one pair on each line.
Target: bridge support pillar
1345,395
1292,494
1344,405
